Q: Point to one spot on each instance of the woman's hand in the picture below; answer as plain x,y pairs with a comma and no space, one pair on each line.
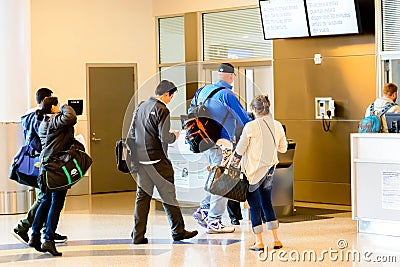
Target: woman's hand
234,161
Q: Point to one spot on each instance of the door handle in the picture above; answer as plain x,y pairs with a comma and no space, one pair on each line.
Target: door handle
96,139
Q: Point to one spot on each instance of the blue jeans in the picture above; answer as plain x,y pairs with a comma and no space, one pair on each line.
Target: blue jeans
215,204
260,200
49,211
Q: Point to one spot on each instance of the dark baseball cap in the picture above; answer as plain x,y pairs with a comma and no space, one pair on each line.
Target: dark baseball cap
226,68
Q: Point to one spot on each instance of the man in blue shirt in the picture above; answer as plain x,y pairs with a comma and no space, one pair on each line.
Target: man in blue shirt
225,108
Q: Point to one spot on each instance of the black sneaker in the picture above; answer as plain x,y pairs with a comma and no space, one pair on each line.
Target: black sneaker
21,236
60,238
35,243
235,222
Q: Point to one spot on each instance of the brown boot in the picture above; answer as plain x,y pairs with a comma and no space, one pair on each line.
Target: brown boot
50,246
35,243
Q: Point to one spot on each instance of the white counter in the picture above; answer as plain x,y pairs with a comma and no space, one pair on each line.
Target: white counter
375,182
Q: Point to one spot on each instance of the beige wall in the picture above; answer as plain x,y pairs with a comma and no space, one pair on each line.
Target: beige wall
67,34
164,7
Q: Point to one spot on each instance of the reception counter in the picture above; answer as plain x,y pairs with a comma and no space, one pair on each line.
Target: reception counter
375,182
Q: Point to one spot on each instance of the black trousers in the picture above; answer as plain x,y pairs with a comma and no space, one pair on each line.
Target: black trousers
160,175
234,210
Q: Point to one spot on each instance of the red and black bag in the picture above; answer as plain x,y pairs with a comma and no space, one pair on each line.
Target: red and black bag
202,131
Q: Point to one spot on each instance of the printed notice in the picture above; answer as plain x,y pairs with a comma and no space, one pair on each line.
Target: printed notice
283,19
181,171
391,190
330,17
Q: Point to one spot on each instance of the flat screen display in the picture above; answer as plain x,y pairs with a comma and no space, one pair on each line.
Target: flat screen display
283,19
393,122
332,17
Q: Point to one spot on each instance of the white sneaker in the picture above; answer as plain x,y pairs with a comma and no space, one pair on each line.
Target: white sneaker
201,216
216,227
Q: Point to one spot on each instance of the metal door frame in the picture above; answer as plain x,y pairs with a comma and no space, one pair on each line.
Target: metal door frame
135,90
244,84
239,83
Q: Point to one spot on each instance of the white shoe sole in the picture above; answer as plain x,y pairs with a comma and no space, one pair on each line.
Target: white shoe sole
18,237
61,241
222,231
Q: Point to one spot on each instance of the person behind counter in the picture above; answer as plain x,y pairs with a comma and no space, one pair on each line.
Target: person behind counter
389,98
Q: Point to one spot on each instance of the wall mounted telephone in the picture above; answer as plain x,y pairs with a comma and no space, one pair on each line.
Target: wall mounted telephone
324,107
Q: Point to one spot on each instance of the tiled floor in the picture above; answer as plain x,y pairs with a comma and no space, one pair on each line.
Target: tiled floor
98,228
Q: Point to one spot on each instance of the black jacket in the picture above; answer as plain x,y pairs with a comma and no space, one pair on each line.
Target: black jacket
61,131
152,128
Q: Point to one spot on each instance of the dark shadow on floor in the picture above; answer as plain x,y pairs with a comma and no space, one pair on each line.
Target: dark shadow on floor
309,214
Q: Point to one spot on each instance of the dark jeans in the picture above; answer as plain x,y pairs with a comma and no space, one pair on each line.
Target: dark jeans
49,211
160,175
26,223
260,200
234,210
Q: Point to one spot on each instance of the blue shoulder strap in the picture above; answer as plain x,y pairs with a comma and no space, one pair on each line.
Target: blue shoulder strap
385,109
371,109
382,111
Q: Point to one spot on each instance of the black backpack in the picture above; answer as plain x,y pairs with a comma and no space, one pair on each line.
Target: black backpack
202,131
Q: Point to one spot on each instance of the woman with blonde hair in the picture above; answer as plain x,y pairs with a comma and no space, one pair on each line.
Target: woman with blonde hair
256,152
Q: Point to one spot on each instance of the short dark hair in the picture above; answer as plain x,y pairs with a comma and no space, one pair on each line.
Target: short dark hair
42,93
45,106
165,86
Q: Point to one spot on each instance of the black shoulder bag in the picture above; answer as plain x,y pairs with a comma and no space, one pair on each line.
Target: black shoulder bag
65,168
125,149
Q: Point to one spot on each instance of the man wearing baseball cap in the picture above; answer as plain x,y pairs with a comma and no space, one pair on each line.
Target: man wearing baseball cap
225,108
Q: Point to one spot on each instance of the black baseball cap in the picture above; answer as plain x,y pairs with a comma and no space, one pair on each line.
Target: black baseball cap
226,68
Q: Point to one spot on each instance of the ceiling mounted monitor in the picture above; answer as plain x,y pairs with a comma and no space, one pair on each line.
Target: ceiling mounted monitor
283,19
332,17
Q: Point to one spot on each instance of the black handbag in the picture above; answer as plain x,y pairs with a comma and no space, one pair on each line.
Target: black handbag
227,182
125,149
126,160
65,168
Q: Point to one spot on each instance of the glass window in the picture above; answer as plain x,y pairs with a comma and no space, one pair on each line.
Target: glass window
234,34
391,25
171,40
177,106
